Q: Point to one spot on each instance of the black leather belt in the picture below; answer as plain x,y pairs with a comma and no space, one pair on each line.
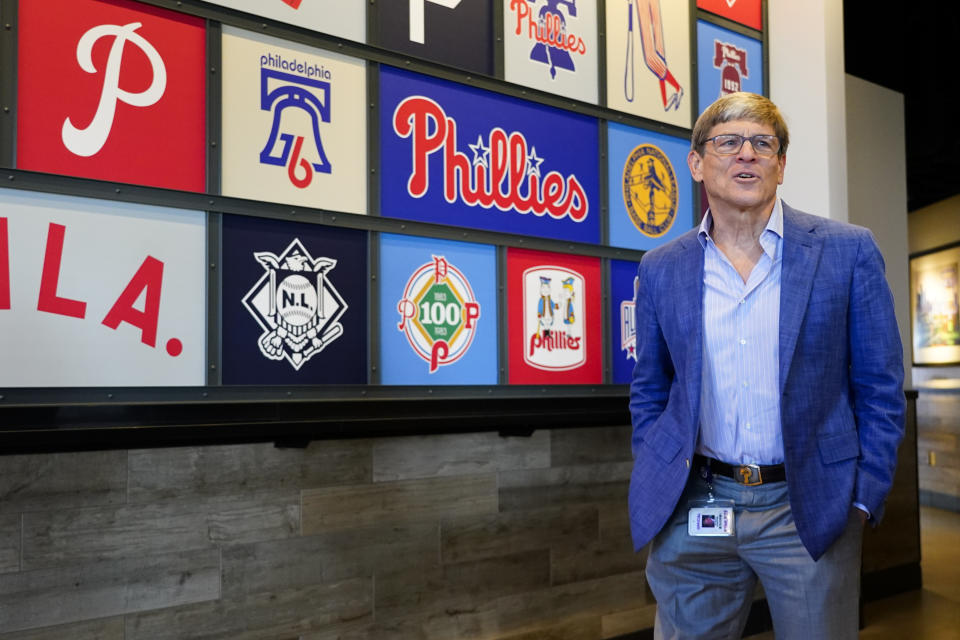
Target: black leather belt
747,474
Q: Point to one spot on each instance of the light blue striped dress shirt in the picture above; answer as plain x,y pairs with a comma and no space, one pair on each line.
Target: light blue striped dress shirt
740,392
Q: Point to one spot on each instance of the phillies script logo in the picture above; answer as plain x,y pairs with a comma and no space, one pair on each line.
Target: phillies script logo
293,85
732,61
549,30
295,304
553,322
147,282
504,173
438,313
628,323
88,141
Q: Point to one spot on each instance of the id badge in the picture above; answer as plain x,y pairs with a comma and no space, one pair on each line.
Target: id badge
710,518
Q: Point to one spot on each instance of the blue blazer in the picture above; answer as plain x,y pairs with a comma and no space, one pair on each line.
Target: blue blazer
841,377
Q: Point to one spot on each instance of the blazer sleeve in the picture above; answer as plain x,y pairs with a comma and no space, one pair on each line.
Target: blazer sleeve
876,377
654,373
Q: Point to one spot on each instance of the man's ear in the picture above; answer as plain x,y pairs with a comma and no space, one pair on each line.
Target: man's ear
695,162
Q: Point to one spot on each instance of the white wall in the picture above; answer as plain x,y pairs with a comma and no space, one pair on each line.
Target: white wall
877,187
807,83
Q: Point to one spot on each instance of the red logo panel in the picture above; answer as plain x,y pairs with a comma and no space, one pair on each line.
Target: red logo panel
112,90
553,302
747,12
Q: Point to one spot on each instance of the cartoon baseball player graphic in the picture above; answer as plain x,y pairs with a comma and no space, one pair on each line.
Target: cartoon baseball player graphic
567,295
650,25
545,307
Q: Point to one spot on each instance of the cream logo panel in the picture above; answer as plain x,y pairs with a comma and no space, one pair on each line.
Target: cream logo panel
295,129
552,45
342,18
648,59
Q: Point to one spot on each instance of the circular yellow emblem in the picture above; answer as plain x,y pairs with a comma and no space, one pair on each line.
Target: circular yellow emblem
650,190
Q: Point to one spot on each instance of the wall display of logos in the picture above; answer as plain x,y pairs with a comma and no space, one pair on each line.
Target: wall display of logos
100,293
746,12
552,45
648,59
554,318
727,62
116,293
342,18
438,311
294,303
112,91
295,131
455,32
623,291
452,154
650,188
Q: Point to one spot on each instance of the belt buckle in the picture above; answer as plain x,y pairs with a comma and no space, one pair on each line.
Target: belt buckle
749,475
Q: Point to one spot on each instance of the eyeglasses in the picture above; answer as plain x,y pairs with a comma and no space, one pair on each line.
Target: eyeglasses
729,144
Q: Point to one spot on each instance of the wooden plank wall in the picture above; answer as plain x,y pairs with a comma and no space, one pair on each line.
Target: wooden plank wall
460,536
938,420
443,537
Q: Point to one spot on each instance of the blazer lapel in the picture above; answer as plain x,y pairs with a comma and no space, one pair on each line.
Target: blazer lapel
688,288
801,254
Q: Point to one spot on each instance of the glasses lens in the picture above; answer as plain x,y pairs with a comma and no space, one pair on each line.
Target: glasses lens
763,145
727,144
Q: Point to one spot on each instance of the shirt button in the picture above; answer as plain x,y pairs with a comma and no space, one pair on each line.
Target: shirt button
741,301
742,341
746,384
748,426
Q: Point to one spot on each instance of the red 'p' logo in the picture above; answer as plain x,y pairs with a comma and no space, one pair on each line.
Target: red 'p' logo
293,3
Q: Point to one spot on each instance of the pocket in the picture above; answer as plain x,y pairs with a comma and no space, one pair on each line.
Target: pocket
663,444
841,446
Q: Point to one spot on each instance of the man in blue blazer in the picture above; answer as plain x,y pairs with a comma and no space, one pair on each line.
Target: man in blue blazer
767,399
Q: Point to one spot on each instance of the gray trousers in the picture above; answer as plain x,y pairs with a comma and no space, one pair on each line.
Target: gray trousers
704,586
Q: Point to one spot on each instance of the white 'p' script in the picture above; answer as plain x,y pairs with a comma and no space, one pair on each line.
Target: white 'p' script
87,142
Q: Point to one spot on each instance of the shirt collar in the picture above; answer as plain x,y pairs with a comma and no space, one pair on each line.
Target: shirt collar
769,239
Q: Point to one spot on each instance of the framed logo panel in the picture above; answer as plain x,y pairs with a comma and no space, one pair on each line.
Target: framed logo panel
100,293
342,18
648,59
553,302
112,91
294,299
296,128
650,188
438,311
727,62
461,156
623,295
552,45
746,12
455,32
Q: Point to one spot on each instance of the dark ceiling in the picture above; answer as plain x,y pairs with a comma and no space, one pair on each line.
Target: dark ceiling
916,53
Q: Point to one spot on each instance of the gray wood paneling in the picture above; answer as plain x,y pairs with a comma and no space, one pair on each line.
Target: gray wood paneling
9,542
587,446
268,615
89,535
105,629
473,453
564,531
593,597
66,480
581,484
464,587
388,503
328,557
158,474
84,592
